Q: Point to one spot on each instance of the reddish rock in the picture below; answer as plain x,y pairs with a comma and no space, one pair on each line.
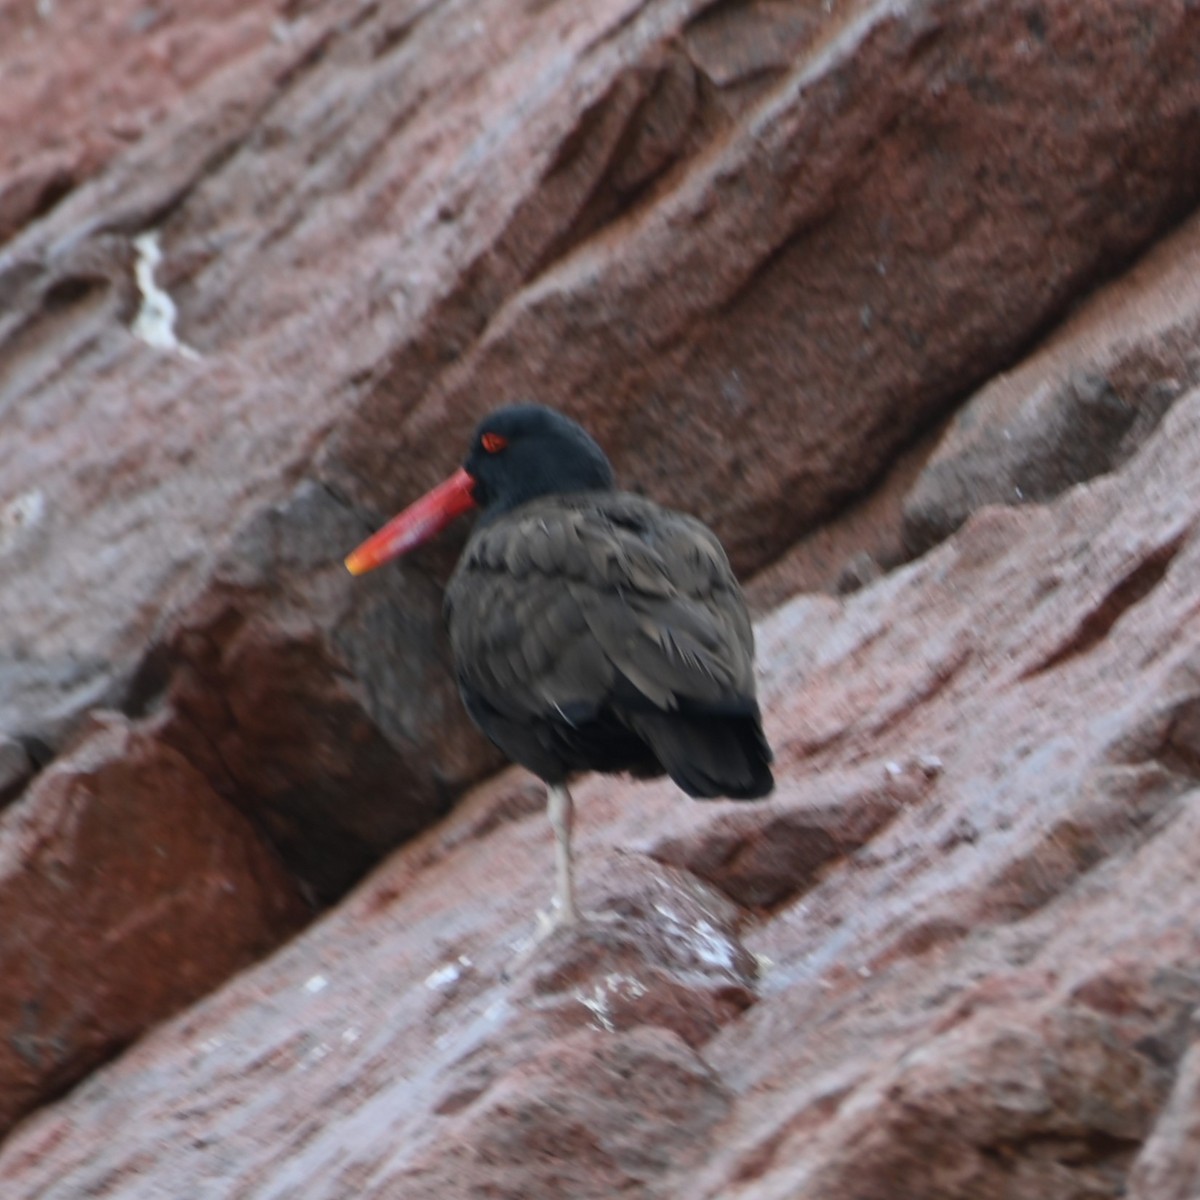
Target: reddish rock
760,860
571,1122
127,890
504,1047
955,954
62,119
304,701
978,980
914,198
859,544
670,219
1079,407
1168,1167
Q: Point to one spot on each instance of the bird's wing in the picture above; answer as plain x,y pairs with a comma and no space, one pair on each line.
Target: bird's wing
569,607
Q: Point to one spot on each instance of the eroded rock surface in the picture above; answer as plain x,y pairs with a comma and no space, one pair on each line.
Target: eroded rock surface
128,889
1077,408
267,272
953,955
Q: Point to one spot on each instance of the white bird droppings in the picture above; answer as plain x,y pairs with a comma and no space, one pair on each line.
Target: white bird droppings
449,974
21,514
155,322
930,764
704,940
597,1002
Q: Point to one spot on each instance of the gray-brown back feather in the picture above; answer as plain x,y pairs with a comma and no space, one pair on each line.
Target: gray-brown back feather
602,606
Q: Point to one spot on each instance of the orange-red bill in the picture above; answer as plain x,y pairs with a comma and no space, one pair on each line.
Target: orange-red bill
420,521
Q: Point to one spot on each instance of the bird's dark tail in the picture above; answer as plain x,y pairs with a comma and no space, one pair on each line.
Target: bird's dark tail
710,756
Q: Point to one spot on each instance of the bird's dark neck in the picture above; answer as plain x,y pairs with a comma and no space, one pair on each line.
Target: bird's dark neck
515,498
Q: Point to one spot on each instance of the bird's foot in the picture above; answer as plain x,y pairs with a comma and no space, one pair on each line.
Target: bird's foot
560,916
549,922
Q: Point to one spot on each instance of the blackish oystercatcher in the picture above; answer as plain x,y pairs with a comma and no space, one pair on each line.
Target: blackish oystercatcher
591,629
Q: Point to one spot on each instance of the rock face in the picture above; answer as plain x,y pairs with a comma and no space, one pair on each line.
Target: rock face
1080,407
127,890
269,269
954,955
80,84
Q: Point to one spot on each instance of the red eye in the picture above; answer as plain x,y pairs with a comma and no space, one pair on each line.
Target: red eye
493,443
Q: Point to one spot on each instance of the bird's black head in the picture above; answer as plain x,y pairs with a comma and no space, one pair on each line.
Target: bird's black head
526,451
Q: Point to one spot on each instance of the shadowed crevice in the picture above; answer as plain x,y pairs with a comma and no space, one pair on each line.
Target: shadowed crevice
1134,587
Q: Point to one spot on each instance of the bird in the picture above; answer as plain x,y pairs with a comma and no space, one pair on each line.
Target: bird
590,629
